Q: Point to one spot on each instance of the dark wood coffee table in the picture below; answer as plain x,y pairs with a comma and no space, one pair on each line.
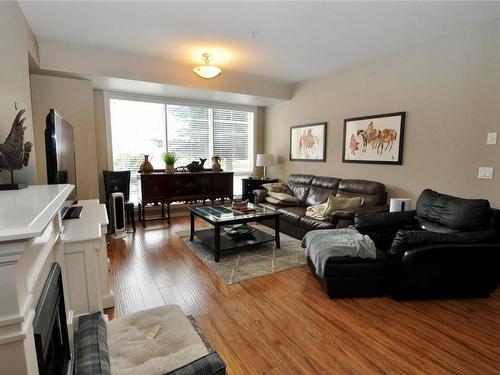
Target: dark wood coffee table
222,215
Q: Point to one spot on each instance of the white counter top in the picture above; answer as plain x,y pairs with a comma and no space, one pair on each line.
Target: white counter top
88,226
25,213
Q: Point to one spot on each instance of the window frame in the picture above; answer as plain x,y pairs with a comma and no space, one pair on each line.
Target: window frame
109,95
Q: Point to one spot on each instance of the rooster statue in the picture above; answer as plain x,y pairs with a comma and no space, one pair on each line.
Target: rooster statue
14,154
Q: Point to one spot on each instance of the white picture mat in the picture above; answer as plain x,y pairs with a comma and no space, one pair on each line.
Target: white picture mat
313,132
370,153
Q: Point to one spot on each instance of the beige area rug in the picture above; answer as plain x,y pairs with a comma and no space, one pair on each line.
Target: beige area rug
253,261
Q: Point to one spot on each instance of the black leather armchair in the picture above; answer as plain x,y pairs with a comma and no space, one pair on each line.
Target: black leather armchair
448,247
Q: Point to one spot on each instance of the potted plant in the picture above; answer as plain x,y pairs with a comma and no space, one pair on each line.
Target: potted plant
169,158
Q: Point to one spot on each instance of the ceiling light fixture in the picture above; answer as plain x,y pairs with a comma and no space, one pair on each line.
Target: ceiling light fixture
206,70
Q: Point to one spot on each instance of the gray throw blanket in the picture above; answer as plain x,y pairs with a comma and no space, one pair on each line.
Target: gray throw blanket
324,244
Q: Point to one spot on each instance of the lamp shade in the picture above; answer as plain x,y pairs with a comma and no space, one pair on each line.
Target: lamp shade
264,160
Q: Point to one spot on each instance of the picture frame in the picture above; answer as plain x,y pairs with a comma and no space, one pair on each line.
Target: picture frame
308,142
376,139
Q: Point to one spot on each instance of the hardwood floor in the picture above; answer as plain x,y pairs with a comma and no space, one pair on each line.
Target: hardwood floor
285,324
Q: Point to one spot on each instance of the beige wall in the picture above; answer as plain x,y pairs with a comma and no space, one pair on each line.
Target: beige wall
17,43
73,99
101,140
450,90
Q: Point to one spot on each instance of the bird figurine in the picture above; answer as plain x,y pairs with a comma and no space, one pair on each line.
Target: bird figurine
14,154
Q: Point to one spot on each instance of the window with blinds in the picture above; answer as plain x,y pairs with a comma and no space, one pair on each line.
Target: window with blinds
188,133
231,139
192,132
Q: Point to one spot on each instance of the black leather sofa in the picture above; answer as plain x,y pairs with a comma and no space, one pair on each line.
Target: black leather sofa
447,247
312,190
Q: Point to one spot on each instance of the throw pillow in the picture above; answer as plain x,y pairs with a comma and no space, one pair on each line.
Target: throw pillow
277,187
336,204
287,198
278,202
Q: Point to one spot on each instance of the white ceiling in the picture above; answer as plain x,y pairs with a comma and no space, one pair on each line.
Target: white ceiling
293,40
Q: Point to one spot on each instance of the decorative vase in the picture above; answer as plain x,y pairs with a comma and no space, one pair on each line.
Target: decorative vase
216,167
170,168
146,166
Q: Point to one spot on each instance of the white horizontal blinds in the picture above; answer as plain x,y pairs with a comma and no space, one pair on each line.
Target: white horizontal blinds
137,128
188,133
231,139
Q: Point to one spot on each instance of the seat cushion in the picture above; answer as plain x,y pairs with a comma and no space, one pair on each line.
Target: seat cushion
91,347
310,223
453,212
176,344
292,214
270,206
357,267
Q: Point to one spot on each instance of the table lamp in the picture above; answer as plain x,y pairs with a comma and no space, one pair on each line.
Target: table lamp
264,160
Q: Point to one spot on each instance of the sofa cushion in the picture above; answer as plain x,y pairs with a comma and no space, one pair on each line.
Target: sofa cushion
434,226
270,206
292,214
456,213
285,198
300,184
373,193
310,223
277,187
321,188
91,347
339,204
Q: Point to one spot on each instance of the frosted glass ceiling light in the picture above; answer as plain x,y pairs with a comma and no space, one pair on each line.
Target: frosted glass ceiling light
206,70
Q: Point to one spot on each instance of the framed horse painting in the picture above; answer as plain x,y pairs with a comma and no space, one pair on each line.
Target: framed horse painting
374,139
308,142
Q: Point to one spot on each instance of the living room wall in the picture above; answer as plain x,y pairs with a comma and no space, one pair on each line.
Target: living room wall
74,100
450,90
17,46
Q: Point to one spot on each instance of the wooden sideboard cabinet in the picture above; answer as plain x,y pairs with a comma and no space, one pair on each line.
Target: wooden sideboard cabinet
163,188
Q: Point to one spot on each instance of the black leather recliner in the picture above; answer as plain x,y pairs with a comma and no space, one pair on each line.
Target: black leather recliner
447,247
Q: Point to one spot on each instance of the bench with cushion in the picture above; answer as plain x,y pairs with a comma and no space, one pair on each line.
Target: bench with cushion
313,190
121,346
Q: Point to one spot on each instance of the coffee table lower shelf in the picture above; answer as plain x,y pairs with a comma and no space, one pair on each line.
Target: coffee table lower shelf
207,236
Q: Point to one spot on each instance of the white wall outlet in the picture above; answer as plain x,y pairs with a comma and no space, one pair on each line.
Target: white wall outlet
485,172
491,139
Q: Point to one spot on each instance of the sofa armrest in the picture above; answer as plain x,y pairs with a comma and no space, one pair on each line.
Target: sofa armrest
414,239
259,195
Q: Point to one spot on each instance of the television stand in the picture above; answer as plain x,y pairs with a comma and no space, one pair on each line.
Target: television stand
74,212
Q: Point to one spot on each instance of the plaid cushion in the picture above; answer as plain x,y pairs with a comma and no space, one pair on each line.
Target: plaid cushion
210,364
91,348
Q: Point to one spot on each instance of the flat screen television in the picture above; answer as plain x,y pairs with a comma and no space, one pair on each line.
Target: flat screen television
60,154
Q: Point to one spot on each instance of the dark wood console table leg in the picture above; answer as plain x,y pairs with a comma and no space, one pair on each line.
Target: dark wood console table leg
144,215
168,212
191,235
277,232
217,242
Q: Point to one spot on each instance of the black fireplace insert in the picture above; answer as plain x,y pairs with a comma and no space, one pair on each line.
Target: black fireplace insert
50,327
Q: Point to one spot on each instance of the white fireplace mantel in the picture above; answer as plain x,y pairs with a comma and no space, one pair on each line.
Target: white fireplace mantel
32,238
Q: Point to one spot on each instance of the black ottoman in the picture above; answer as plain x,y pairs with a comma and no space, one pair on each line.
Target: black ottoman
352,277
